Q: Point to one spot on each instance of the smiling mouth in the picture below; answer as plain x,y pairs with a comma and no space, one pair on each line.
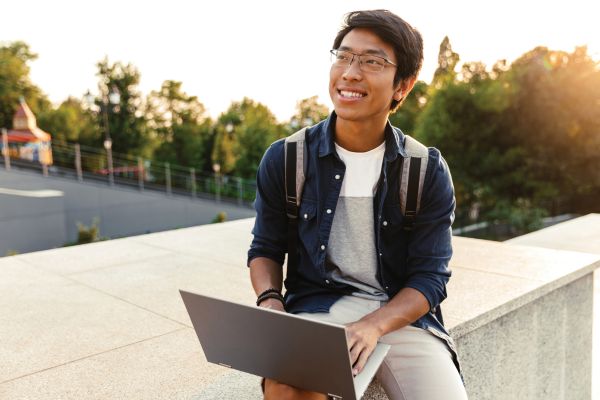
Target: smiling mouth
348,94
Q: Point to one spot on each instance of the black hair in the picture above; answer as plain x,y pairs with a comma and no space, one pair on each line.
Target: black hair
393,30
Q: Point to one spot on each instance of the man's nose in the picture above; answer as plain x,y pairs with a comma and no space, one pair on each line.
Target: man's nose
353,71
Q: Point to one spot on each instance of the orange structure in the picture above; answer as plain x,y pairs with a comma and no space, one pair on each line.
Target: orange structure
26,140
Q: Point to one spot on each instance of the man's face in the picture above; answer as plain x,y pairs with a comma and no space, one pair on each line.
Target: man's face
362,95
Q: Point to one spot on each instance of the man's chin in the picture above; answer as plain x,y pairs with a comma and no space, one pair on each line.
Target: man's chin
348,115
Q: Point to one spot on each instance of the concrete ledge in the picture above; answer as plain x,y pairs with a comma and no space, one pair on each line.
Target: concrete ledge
510,277
114,326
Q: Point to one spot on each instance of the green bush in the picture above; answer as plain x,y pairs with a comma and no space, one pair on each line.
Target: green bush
220,217
88,234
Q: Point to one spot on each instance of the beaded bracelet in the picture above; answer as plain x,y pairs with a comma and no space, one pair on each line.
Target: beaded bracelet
270,294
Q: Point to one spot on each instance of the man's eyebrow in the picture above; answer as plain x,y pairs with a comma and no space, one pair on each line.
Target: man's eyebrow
376,52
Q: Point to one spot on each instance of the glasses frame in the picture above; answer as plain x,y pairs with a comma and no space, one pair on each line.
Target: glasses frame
334,52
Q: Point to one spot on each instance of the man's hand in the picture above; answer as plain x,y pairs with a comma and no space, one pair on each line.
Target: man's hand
406,307
362,337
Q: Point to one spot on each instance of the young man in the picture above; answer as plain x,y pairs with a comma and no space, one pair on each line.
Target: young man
355,262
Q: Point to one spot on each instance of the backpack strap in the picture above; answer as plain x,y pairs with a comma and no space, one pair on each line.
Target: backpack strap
294,171
412,178
295,175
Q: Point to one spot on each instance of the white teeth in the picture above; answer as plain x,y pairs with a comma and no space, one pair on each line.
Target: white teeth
346,93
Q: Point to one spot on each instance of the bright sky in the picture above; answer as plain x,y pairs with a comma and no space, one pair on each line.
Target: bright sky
275,52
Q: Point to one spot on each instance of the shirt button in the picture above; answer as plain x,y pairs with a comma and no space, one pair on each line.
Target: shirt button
384,222
337,176
327,281
322,247
387,288
380,254
329,211
305,216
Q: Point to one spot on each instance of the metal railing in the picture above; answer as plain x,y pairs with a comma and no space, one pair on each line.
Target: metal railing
91,164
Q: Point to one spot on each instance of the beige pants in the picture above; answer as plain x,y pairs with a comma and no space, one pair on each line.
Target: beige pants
418,366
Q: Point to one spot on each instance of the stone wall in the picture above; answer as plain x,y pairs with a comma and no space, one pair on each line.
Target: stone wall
539,351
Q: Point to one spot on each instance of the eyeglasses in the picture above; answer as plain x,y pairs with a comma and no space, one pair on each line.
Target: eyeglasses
366,62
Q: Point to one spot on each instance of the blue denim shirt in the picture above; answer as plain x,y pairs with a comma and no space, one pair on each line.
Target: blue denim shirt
417,259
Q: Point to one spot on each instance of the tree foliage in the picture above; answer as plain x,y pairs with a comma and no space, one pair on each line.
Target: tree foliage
447,62
127,122
243,133
308,112
522,139
15,82
406,116
556,116
181,127
71,122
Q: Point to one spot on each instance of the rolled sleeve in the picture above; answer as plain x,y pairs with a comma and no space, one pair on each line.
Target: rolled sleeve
430,241
270,225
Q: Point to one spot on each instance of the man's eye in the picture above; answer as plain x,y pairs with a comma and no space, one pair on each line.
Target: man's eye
343,57
373,61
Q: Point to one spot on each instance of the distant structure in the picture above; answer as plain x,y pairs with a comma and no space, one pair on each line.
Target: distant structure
26,141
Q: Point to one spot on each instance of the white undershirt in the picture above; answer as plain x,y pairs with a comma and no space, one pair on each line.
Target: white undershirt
351,253
362,171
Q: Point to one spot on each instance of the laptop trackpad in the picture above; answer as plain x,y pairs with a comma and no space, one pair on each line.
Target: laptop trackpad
362,380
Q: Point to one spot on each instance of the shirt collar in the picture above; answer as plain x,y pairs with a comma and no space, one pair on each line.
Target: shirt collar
394,139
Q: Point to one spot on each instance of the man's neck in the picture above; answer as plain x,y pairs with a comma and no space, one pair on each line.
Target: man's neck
359,137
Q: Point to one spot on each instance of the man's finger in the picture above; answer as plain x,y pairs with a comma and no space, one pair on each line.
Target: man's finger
361,361
351,342
354,353
350,338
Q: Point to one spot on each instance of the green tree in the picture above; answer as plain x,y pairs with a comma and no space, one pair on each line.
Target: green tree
223,150
522,140
406,116
555,115
308,112
15,82
447,62
244,132
71,122
464,119
181,125
126,120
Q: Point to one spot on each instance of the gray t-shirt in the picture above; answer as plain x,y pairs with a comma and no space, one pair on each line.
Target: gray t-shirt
351,254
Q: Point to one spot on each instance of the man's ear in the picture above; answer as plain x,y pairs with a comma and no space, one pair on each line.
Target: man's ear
404,88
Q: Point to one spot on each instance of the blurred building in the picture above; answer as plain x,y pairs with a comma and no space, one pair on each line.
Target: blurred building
26,141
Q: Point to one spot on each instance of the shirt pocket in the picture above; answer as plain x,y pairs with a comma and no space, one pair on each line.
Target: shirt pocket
391,222
308,232
394,240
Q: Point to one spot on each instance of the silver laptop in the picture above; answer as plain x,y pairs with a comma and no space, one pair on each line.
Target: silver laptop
290,349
